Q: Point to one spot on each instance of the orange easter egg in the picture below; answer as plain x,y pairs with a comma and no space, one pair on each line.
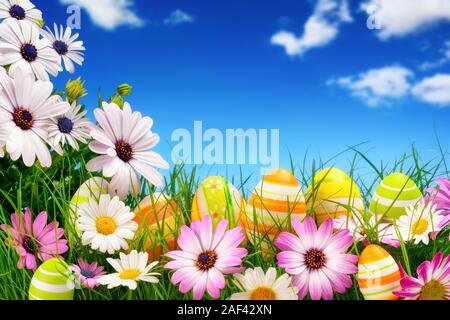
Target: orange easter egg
159,220
276,200
378,274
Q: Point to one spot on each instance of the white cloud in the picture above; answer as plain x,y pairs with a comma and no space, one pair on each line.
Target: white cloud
320,29
445,58
178,17
402,17
109,14
434,90
377,86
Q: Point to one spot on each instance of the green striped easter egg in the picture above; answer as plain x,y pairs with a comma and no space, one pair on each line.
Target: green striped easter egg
52,281
395,192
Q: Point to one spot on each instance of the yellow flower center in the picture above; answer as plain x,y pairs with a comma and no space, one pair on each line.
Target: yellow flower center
263,293
420,226
129,274
105,225
433,290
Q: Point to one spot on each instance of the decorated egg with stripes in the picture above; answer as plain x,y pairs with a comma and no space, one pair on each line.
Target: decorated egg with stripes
378,274
219,199
395,192
53,280
91,188
331,194
159,220
276,200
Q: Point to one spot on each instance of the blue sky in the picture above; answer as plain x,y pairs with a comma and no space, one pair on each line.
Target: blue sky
309,68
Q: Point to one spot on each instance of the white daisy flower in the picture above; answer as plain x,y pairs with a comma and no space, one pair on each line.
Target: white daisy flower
419,222
257,285
27,105
130,269
123,142
106,224
65,45
21,46
69,128
20,10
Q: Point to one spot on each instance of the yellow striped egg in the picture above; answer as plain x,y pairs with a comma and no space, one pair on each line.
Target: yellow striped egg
219,199
378,274
276,200
395,192
332,194
53,280
91,188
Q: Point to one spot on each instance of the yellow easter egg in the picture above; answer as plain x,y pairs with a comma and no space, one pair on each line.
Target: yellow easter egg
332,194
378,274
219,199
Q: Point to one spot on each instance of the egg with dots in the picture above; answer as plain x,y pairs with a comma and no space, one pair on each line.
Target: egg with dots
378,274
159,220
395,192
90,189
276,200
332,194
53,280
219,199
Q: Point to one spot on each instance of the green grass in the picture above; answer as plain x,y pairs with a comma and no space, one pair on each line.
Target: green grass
51,189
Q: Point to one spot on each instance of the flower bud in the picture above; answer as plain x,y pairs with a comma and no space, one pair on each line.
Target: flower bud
124,90
75,90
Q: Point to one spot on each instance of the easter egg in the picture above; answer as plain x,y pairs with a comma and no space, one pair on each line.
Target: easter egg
333,194
276,200
378,274
219,199
159,220
91,188
395,192
52,281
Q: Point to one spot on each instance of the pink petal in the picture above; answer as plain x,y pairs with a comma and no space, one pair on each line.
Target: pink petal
39,224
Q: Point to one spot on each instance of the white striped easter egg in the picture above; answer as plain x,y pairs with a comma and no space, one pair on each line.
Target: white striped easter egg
378,274
395,192
52,281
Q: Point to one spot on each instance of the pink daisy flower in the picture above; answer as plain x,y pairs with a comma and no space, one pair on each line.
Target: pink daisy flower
205,257
440,195
88,274
317,258
361,229
432,283
34,239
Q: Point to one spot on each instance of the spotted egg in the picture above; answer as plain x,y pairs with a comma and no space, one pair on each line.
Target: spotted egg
53,280
332,194
276,200
395,192
159,220
219,199
378,274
